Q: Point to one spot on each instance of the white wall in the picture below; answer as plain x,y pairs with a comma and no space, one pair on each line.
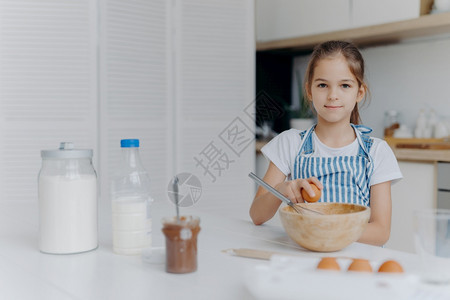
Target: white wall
406,77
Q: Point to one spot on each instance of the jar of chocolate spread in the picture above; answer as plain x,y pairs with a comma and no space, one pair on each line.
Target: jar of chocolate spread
181,243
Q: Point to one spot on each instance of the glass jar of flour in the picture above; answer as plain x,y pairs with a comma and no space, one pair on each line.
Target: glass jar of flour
67,185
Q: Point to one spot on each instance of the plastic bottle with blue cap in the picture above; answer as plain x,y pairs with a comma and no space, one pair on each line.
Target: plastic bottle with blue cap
131,201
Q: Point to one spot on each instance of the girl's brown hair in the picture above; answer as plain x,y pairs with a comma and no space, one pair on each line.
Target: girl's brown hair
355,63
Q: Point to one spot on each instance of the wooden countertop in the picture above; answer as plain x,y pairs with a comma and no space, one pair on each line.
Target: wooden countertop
422,155
424,150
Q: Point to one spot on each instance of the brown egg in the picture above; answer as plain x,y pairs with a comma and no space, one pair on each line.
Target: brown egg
391,266
328,263
308,198
360,265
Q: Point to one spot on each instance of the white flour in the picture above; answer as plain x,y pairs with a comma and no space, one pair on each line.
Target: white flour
132,225
68,214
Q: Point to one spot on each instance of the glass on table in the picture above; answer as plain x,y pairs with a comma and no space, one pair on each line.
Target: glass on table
432,243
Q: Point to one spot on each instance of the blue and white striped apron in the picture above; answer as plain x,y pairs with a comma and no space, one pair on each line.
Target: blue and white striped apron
345,179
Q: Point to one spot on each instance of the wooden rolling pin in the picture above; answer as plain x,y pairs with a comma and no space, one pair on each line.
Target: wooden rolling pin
266,255
253,253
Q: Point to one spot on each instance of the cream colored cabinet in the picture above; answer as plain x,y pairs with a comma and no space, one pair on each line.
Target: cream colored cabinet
416,191
291,18
283,29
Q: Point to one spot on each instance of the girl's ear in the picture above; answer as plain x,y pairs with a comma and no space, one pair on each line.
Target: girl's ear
361,93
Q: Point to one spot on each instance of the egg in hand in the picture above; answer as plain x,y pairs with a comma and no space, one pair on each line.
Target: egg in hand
317,193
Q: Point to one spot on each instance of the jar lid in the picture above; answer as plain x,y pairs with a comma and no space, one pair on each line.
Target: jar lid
67,150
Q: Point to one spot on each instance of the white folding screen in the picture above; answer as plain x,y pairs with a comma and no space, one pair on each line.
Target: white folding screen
135,91
178,75
214,63
48,86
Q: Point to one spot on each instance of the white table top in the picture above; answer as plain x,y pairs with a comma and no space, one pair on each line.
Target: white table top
26,273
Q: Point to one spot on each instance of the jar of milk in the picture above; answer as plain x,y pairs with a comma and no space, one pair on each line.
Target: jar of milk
67,185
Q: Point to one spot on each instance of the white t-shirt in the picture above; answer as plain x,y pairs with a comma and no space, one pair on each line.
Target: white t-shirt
284,148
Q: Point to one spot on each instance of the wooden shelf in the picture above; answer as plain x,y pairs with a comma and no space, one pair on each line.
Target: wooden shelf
393,142
370,35
425,150
422,155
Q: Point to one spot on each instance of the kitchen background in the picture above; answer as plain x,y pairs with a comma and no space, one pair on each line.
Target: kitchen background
174,74
405,75
180,76
407,78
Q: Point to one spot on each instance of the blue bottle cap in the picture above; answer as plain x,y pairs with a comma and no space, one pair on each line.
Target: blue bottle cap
129,143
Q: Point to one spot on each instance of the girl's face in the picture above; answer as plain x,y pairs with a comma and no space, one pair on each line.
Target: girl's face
334,90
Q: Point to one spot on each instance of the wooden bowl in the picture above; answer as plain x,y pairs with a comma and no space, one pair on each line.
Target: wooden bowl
341,225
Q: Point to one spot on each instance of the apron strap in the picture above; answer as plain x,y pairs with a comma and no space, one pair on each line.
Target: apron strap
365,141
306,146
361,131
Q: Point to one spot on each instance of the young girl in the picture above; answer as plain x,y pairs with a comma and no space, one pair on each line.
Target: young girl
336,154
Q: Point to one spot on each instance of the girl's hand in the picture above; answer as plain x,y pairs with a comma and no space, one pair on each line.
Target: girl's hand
265,205
292,189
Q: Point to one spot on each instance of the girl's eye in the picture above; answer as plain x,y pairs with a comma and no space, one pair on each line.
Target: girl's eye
321,85
346,86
